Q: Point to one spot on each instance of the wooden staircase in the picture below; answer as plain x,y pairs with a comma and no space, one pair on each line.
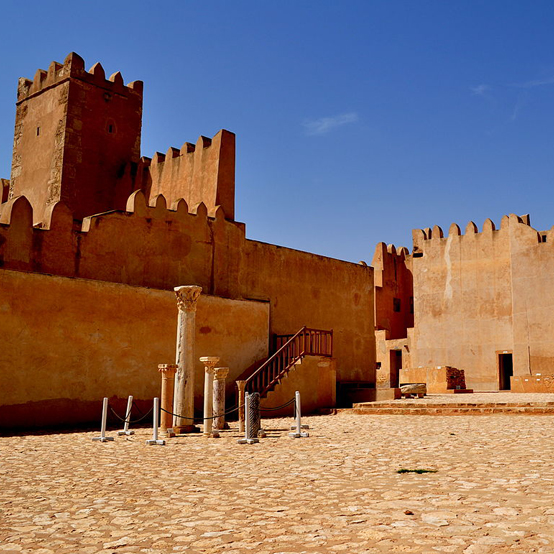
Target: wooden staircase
290,350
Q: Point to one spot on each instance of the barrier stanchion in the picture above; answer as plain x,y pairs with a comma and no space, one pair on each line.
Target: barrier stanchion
298,427
248,438
155,425
125,430
102,437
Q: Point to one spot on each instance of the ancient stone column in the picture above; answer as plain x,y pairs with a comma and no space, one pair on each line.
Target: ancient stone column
168,383
183,404
209,365
220,375
241,386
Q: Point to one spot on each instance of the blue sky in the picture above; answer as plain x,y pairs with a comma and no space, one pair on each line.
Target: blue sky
356,121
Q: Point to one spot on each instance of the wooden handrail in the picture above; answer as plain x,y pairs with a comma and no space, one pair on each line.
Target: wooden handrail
315,342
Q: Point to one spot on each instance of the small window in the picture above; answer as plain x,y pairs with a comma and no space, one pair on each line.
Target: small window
396,304
411,304
418,254
38,131
543,238
110,128
378,365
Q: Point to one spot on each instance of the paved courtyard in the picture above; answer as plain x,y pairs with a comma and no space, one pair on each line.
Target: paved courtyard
336,491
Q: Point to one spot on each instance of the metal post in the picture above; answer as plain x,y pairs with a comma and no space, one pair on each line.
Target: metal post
298,427
102,437
156,423
125,430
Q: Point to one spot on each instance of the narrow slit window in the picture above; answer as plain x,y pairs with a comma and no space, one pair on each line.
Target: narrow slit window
38,131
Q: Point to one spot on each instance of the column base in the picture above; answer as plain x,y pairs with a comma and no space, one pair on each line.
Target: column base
103,439
298,435
119,433
182,429
159,442
248,441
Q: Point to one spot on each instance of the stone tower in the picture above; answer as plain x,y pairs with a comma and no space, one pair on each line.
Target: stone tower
76,135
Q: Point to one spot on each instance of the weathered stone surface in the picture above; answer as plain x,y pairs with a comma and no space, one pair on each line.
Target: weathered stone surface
336,491
414,388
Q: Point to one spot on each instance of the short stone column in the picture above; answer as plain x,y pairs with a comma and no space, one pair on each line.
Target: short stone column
209,365
183,403
241,386
220,375
168,383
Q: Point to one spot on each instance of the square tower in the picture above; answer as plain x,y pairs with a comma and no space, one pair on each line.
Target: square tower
76,134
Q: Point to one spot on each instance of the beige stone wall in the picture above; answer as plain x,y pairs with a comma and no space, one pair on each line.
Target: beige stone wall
394,290
321,293
66,343
315,378
482,293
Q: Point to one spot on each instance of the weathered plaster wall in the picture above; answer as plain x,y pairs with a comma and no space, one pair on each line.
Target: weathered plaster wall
321,293
160,248
482,293
66,343
315,378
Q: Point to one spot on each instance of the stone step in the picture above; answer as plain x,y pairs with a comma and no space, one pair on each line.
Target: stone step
423,404
449,409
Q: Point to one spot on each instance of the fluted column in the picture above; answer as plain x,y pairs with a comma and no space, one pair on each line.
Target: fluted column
241,386
209,366
168,384
183,404
219,397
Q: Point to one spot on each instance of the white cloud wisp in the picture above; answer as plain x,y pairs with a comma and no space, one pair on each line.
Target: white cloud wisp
323,125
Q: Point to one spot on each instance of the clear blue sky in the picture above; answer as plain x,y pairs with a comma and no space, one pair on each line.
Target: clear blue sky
356,121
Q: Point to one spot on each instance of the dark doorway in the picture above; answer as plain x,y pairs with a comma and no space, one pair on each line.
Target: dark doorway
505,370
395,367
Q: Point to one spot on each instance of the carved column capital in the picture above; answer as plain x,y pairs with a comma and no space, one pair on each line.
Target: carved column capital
221,372
169,369
187,297
241,385
209,363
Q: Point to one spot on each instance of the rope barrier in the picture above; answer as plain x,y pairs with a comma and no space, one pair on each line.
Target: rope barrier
291,401
200,419
132,420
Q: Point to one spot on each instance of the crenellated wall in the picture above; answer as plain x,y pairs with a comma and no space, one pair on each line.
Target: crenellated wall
481,294
76,132
393,290
160,247
204,172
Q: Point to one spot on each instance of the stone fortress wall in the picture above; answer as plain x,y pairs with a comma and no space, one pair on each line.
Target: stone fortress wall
483,294
52,223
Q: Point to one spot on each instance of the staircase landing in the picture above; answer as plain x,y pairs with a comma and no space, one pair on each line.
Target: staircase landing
480,403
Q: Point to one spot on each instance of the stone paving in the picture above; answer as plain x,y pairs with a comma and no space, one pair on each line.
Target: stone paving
336,491
476,398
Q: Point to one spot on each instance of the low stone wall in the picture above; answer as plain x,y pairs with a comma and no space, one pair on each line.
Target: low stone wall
316,380
67,342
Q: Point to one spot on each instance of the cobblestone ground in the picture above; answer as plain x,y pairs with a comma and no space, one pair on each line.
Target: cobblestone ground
336,491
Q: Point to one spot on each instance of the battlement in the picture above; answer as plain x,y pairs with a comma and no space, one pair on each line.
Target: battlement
201,172
421,237
152,245
73,67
